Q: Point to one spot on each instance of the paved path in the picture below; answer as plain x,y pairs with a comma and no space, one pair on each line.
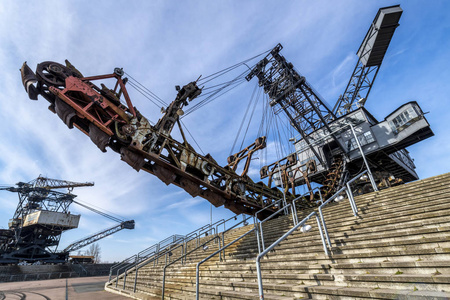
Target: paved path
58,289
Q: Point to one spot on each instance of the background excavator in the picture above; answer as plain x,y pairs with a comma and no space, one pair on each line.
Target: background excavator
41,216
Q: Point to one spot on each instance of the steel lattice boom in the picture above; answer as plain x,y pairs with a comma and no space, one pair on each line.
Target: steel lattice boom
371,54
98,236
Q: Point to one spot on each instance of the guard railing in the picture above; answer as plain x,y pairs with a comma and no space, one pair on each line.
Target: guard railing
347,189
220,237
282,238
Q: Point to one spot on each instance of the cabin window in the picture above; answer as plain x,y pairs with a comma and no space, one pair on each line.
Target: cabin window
404,119
364,139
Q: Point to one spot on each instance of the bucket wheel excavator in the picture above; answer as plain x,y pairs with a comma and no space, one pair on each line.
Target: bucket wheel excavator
109,122
328,145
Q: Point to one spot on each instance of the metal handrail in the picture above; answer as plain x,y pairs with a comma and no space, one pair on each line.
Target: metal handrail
348,191
255,218
137,258
134,258
184,256
225,231
282,209
321,214
225,221
197,281
119,264
143,264
282,238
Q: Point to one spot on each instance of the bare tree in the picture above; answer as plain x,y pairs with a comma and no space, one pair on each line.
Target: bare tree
94,250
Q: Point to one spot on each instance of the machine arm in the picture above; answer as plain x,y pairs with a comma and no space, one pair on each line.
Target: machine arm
370,54
99,235
100,114
48,183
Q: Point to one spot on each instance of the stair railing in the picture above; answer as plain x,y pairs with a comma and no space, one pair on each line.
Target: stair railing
283,209
181,258
196,234
197,268
256,221
350,193
223,222
255,228
201,246
143,264
353,206
282,238
153,250
144,255
166,246
243,222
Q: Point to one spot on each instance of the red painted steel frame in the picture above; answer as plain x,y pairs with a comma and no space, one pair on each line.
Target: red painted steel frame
122,86
114,112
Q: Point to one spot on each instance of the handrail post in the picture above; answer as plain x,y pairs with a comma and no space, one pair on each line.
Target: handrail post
320,194
369,173
294,213
255,225
135,279
325,227
197,281
197,268
259,276
351,199
262,236
124,279
277,242
321,236
163,282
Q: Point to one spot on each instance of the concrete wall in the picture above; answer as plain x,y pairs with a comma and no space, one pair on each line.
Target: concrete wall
42,272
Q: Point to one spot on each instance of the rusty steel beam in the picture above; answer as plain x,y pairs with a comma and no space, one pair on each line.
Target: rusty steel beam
99,113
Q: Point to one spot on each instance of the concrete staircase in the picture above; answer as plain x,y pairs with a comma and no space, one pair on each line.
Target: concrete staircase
398,248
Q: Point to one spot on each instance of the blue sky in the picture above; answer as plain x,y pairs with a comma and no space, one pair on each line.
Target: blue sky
168,43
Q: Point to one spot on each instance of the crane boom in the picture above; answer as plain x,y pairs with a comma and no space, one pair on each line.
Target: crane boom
371,54
49,183
99,235
292,94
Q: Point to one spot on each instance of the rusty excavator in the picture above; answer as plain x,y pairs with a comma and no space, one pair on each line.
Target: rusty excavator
327,149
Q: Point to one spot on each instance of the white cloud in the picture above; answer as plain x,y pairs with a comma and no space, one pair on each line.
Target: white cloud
166,43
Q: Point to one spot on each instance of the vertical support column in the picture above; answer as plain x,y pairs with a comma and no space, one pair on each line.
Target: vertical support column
319,226
352,200
325,227
369,173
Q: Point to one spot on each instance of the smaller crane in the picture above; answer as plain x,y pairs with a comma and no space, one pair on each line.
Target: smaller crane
40,218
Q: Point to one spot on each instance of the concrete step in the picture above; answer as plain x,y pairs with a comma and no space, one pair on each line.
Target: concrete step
406,267
397,280
397,248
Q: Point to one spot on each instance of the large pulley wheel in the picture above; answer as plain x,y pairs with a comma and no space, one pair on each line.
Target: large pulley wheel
54,74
